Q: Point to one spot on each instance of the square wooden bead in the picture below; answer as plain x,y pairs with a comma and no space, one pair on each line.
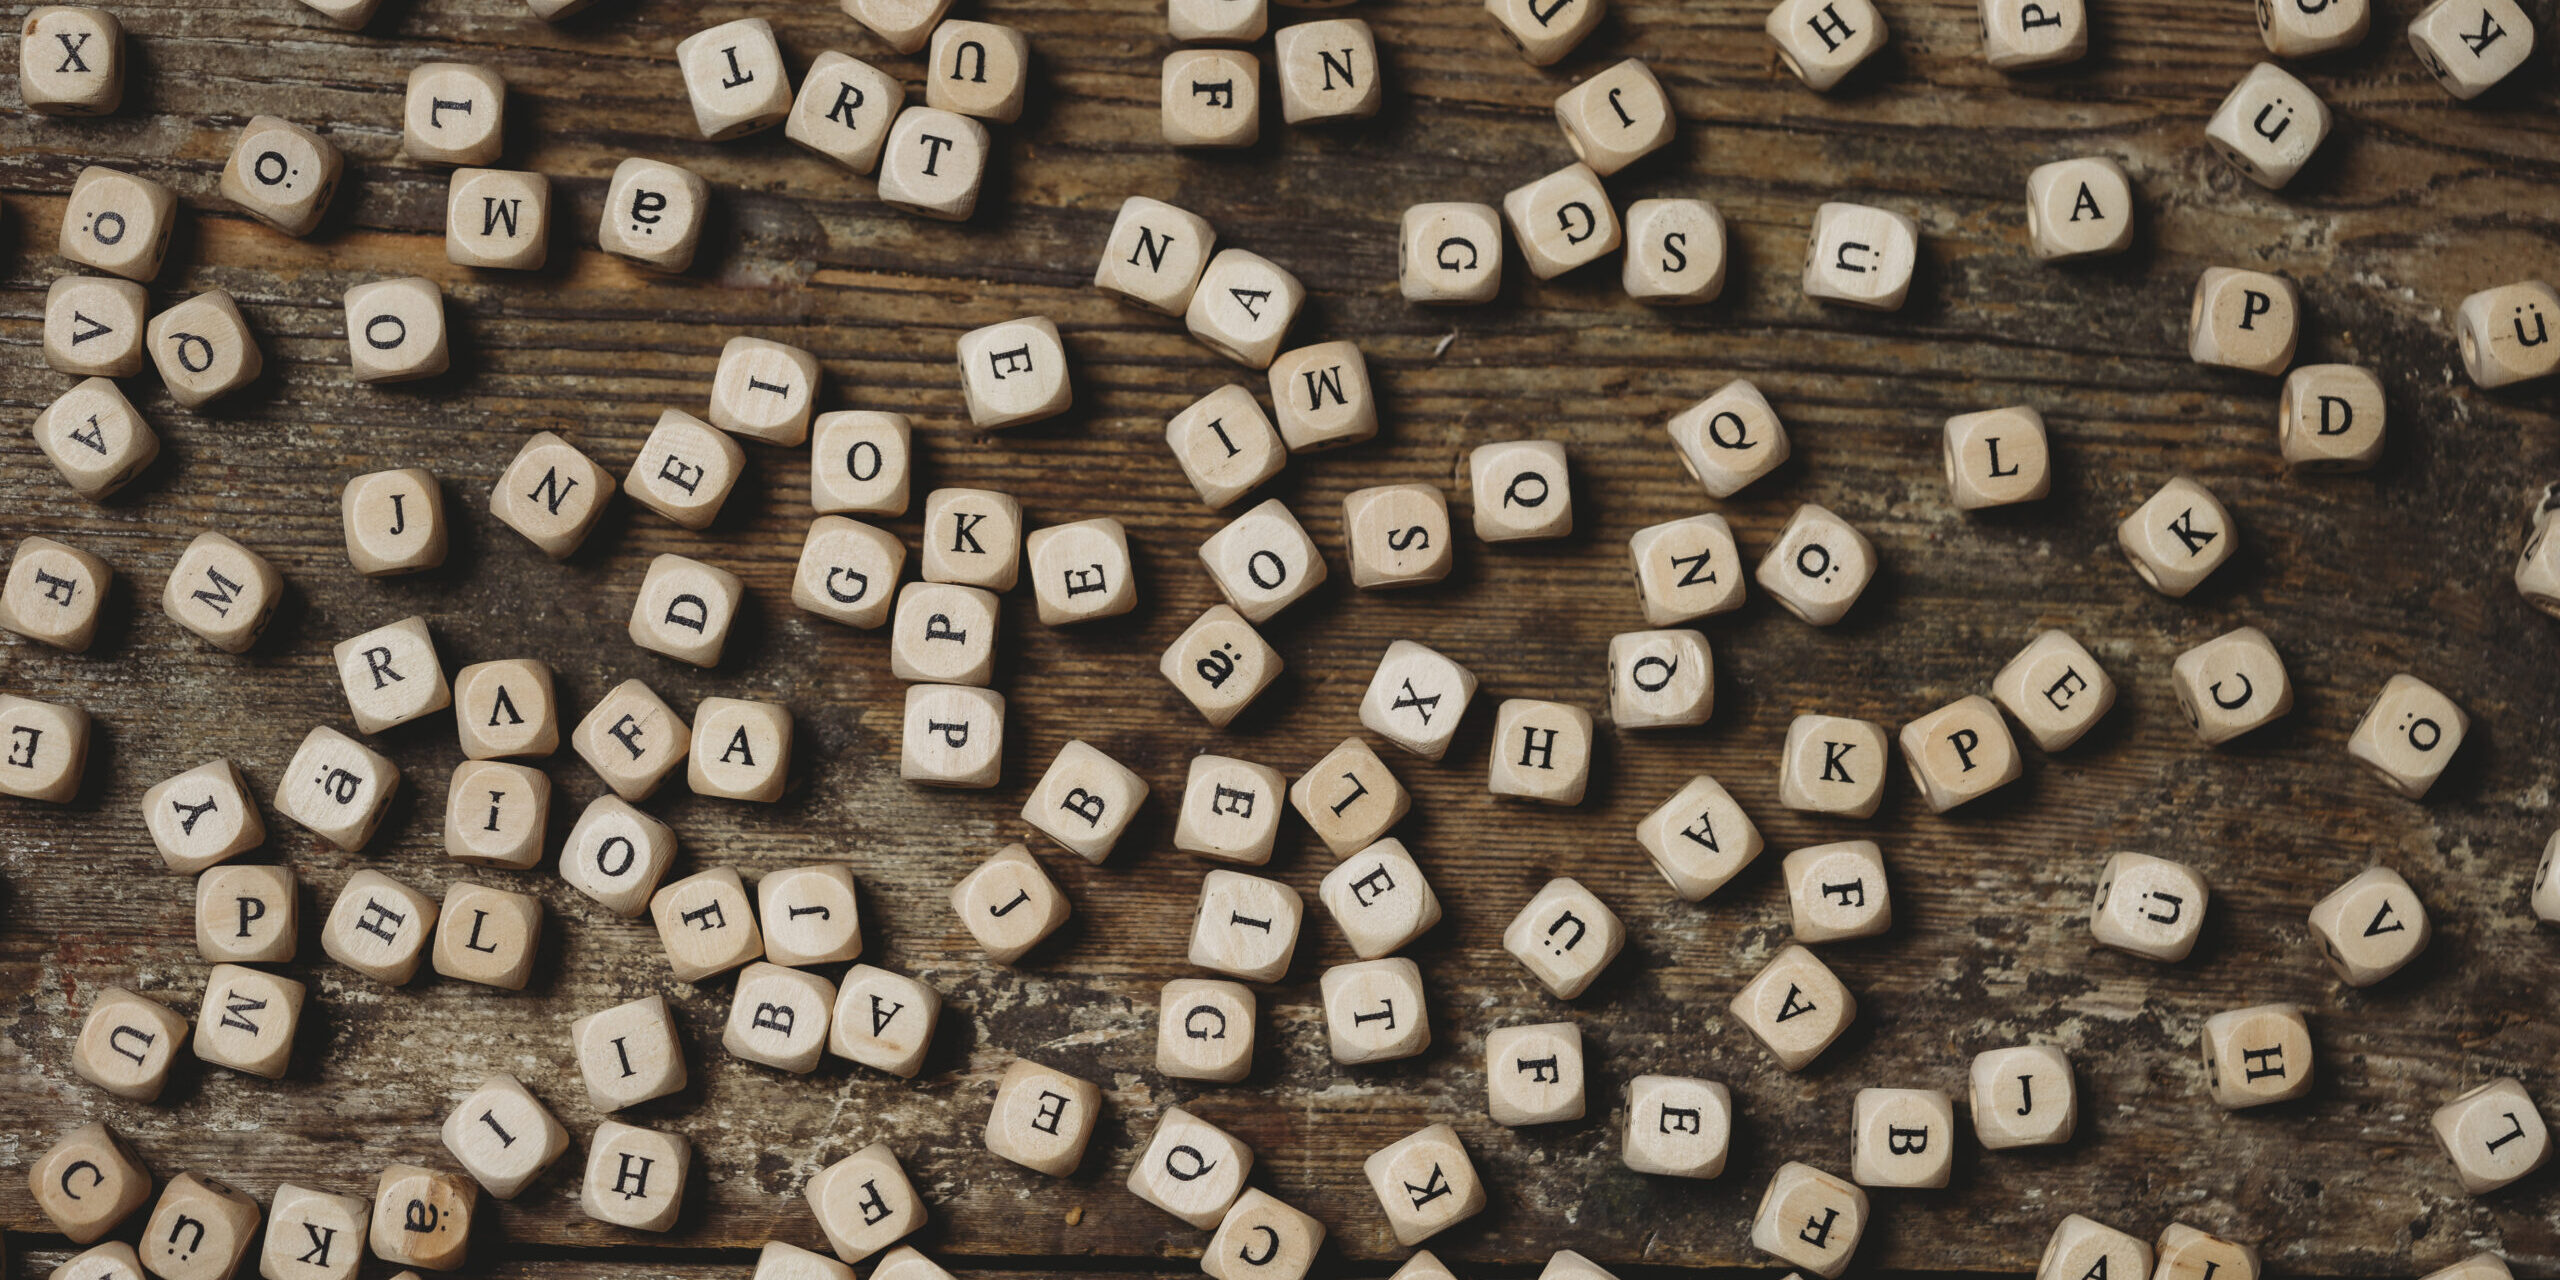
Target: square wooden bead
455,113
247,1020
1225,445
503,1136
337,788
53,594
117,223
1997,457
1009,904
952,736
1564,937
778,1017
2079,208
2231,684
2471,45
1686,569
1795,1007
707,922
741,749
943,634
281,174
2371,926
1398,535
632,739
844,109
1425,1182
498,218
764,391
488,936
1533,1075
246,914
2330,419
933,164
2022,1096
2479,1266
1616,117
1191,1169
1217,21
345,15
1212,98
2055,689
1204,1030
629,1054
884,1020
1243,307
1960,753
2257,1055
1349,798
1833,765
1906,1138
653,214
864,1202
1729,439
1545,33
201,1229
71,61
1042,1118
1321,399
2186,1253
1014,372
1417,698
1810,1219
2178,537
422,1218
379,928
978,69
733,74
2307,28
848,572
2021,34
223,592
1818,566
685,469
93,326
1522,491
861,463
313,1235
1230,810
1081,571
1675,253
1263,1239
1220,663
2150,907
1677,1125
126,1045
904,25
2537,575
635,1177
684,609
506,708
1085,800
1861,256
2269,125
1699,838
1660,679
394,522
1375,1011
203,349
904,1263
809,915
88,1182
1380,899
552,494
1562,221
1246,926
2409,735
1449,253
2504,334
2493,1134
972,537
1156,252
1541,751
202,817
44,749
2243,320
2081,1247
95,439
1263,561
391,675
1822,41
1837,891
1328,71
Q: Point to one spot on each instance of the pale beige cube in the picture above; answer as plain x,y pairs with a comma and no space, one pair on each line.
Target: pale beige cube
1014,372
2246,320
337,788
1009,904
1375,1011
505,708
1211,98
247,914
952,736
974,538
1398,535
1522,491
1675,253
1997,457
1810,1219
1859,255
1906,1138
741,750
2257,1055
629,1054
1796,1007
497,218
685,469
1246,926
843,110
1156,252
1960,753
552,494
87,1182
313,1235
391,675
2270,123
125,1046
734,77
1686,569
1416,698
764,390
247,1020
978,69
1191,1169
2021,34
684,609
2150,907
884,1020
1833,765
1546,32
902,1263
1728,440
1085,800
1564,937
281,174
1676,1125
860,463
1616,117
114,1260
1380,899
2546,887
2186,1253
809,915
707,922
1660,679
943,634
422,1218
778,1017
1449,253
503,1136
2083,207
2371,926
53,594
653,214
1329,71
1243,307
44,749
2177,538
201,1229
1230,810
1533,1074
1263,1239
2330,419
1204,1030
1541,751
2022,1096
635,1177
933,164
2479,1266
2471,45
1263,561
379,927
95,439
2490,328
1217,21
1220,664
1562,221
903,24
1822,41
93,326
1225,445
1042,1118
202,817
848,572
2082,1247
2055,689
1321,399
345,15
223,592
203,349
455,113
2231,684
2493,1134
1818,567
1080,571
1349,798
487,935
71,61
2409,735
1837,891
616,854
117,223
394,522
2307,28
864,1203
1699,838
1425,1182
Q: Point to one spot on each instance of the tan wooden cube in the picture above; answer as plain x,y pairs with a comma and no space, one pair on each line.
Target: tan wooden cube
1328,71
1349,798
1211,98
1225,445
944,634
685,469
1699,838
1263,561
488,935
2247,320
497,218
1564,937
71,61
1009,904
1796,1007
1081,571
1380,899
1960,753
247,1020
2489,327
2079,208
313,1235
1042,1118
2409,735
1320,397
904,1263
1541,751
2231,684
1425,1182
1085,801
202,817
2269,124
506,709
1545,33
1562,221
2149,906
2055,689
972,537
1533,1074
1810,1219
1230,810
654,214
1217,21
44,749
455,113
201,1229
2331,418
1675,253
933,164
1191,1169
848,572
1263,1239
552,494
1686,569
1822,41
2177,538
2022,1096
864,1202
246,914
1837,891
952,736
223,592
95,439
337,788
741,750
616,854
53,594
1449,253
764,391
1660,679
203,349
2257,1055
1246,926
114,1260
503,1136
707,922
117,223
1205,1030
391,675
861,463
684,609
1860,256
1417,698
629,1054
2308,28
635,1177
93,326
903,24
2471,45
2371,927
1676,1125
1243,307
1521,489
1905,1138
282,174
2018,35
778,1017
2537,575
126,1046
844,109
1833,765
2493,1134
1156,252
809,915
1221,664
88,1182
1398,535
2186,1253
1997,457
394,522
884,1020
1729,439
978,69
2081,1246
379,928
1818,567
734,76
1616,117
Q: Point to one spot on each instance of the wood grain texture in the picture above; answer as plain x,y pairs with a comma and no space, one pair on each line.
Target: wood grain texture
2414,202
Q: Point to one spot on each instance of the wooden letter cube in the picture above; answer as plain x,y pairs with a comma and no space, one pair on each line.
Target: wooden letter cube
778,1017
422,1218
1660,679
201,1229
653,214
1328,71
2244,320
118,223
972,537
848,571
1838,891
741,750
1398,535
809,915
1833,765
1014,372
394,522
2546,887
455,113
2330,418
635,1176
1677,1125
313,1235
844,109
1675,253
2231,684
2493,1134
95,438
1009,904
1545,33
1686,569
1263,561
1818,567
2178,538
1699,838
734,75
1191,1169
2149,906
391,675
247,914
497,218
93,326
44,749
1217,21
1320,397
901,1263
2257,1055
126,1046
1425,1182
1449,253
1562,221
2269,125
489,936
685,469
864,1202
1860,256
1997,457
1246,926
2371,926
379,928
247,1020
2022,1096
1212,98
978,69
1533,1075
860,463
223,592
764,391
1243,307
883,1020
1616,117
1905,1138
202,817
2490,327
1226,445
707,922
1042,1118
2188,1254
503,1136
53,594
1085,800
1080,571
1728,440
337,788
71,61
88,1182
1795,1006
1204,1030
2080,208
1960,753
1263,1239
629,1054
282,174
1230,810
952,736
944,634
1822,41
1541,751
2471,45
2056,690
2080,1247
684,609
1156,253
552,494
1220,663
1564,937
2409,734
2020,34
934,163
2306,28
1522,491
203,349
1349,798
1375,1011
1810,1219
903,24
1417,699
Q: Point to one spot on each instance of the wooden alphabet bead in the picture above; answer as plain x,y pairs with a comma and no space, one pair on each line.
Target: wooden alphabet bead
653,214
223,592
2149,906
2257,1055
71,61
201,1229
1541,751
1659,679
1204,1030
2021,34
1246,927
2079,208
2546,888
1211,98
1349,798
202,817
53,594
632,739
1818,567
95,439
1085,801
1230,810
1728,440
282,174
337,788
394,522
2022,1096
1225,445
1321,399
1564,937
2231,684
1328,71
2409,735
2493,1134
498,218
391,675
860,463
1837,891
616,854
809,915
1243,307
552,494
1014,372
44,749
247,1020
488,936
741,750
1699,838
1795,1007
2306,28
1522,491
635,1177
2270,124
952,736
246,914
629,1054
345,15
2055,689
2188,1254
313,1235
1860,256
455,114
1398,535
685,469
2471,45
1221,664
944,634
2479,1266
844,109
933,164
1905,1138
1217,21
707,922
1191,1169
2371,926
1380,899
203,349
1263,561
1042,1118
379,928
1449,253
848,571
1675,252
1071,562
1617,117
88,1182
903,24
422,1218
1375,1011
2330,418
503,1136
1533,1075
684,609
1810,1219
1156,252
733,74
126,1046
883,1020
1960,753
764,391
778,1017
1822,41
1009,904
2489,327
2081,1247
978,69
1425,1182
1686,569
1263,1239
2179,537
864,1202
114,1260
117,223
1417,699
1833,765
972,537
1678,1126
1562,221
93,326
904,1263
2243,320
1545,33
1997,457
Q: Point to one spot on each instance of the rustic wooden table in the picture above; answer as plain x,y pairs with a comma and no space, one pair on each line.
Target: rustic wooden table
2415,201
